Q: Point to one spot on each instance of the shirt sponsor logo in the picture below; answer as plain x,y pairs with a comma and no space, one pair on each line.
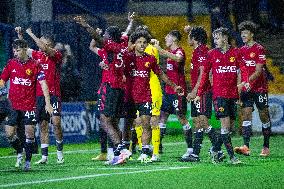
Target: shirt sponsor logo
201,59
136,73
262,57
225,69
21,81
250,63
44,66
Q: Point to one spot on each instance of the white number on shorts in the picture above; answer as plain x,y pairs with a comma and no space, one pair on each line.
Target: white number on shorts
262,98
29,114
55,107
197,105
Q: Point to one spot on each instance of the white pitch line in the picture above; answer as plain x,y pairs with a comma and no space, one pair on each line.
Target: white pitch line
89,176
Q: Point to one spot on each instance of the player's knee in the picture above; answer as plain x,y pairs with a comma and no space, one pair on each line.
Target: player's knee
264,116
10,136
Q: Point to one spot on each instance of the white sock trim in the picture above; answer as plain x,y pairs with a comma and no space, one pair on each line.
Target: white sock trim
186,127
246,123
44,146
162,125
266,125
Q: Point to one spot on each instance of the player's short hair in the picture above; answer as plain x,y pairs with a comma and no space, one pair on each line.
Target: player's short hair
247,25
19,43
136,35
199,34
114,33
222,31
176,34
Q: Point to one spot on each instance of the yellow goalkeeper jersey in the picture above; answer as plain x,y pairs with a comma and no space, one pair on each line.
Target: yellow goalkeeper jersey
155,85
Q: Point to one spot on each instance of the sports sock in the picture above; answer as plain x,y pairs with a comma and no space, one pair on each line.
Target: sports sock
139,131
16,144
188,135
156,139
103,140
133,140
212,136
146,150
227,142
247,132
29,148
266,131
44,150
59,145
197,141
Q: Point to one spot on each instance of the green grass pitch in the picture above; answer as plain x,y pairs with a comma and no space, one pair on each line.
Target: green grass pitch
79,171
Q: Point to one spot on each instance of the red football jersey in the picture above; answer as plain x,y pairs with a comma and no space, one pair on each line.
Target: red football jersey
23,78
198,59
52,68
251,56
224,71
105,73
138,70
175,71
114,56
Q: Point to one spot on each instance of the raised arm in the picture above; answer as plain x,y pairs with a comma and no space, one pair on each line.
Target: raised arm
94,33
131,17
40,43
19,31
175,57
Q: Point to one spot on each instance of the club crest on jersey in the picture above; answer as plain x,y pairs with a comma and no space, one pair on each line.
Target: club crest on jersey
221,109
147,64
232,59
29,72
252,54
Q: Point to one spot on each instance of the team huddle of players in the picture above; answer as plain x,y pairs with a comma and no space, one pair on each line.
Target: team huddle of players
130,88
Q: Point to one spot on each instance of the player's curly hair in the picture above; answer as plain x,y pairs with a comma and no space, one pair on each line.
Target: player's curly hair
247,25
19,43
140,33
199,34
114,33
176,34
